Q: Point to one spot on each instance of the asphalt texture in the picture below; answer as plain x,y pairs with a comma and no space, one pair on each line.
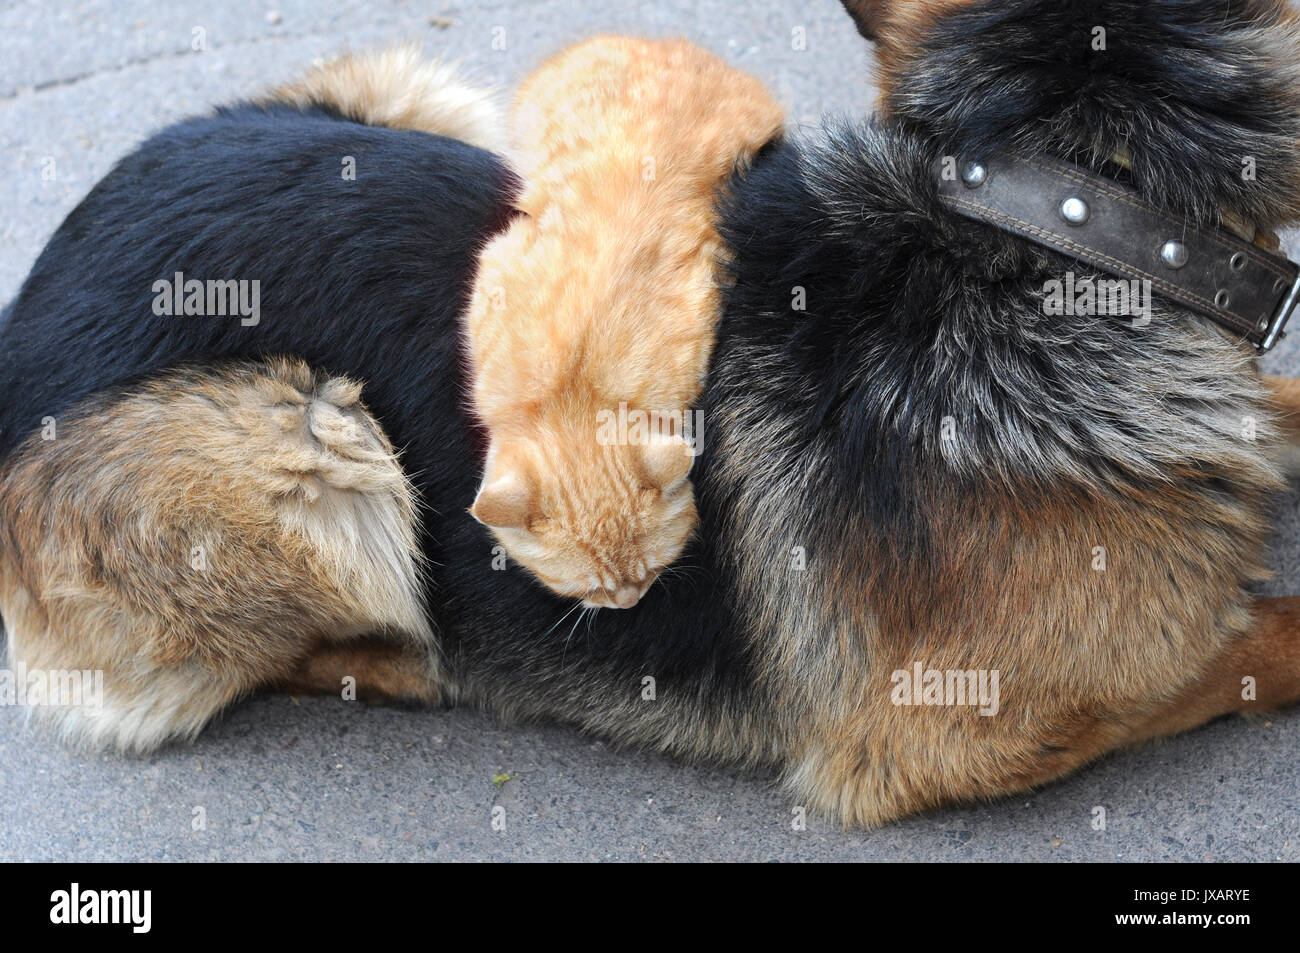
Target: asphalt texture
276,778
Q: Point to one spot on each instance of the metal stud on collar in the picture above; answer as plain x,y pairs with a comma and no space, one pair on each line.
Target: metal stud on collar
1075,210
1174,254
974,174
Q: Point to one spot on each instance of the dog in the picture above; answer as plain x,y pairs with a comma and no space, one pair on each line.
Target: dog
951,546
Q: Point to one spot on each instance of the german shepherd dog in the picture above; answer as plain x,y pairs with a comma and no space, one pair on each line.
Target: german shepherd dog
951,546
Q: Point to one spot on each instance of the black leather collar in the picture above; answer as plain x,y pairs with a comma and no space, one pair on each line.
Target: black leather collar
1245,288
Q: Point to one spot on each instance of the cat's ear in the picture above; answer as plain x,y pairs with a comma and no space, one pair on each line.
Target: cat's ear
666,460
504,502
869,15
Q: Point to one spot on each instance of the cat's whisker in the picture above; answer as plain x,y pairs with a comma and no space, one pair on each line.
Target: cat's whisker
564,652
572,631
691,574
681,567
575,605
678,571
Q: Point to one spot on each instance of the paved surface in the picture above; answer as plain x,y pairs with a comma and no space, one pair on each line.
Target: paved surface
82,82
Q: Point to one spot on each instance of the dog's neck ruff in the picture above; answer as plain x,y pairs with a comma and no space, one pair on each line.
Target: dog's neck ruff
1245,288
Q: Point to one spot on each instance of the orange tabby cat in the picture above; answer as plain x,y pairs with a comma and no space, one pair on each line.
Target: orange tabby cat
592,316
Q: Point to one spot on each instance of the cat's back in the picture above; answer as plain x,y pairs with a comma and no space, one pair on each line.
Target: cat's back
661,107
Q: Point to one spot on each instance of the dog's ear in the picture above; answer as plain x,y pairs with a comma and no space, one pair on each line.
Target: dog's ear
869,15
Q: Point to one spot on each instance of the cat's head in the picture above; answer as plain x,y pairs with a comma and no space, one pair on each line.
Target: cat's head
592,521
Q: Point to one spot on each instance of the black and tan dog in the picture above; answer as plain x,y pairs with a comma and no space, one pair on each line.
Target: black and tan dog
920,472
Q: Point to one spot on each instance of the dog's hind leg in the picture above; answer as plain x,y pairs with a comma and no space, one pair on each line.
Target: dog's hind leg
373,668
893,761
198,537
1258,671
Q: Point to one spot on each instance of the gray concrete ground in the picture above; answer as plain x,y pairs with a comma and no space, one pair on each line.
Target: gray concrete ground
83,81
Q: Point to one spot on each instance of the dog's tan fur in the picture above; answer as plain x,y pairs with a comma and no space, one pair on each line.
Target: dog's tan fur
1284,400
197,538
399,89
1080,664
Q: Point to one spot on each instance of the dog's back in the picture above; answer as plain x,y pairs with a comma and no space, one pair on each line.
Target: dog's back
258,197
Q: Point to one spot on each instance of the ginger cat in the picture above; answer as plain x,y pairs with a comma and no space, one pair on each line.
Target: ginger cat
592,316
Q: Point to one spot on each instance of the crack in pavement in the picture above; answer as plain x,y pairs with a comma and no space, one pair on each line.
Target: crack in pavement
15,92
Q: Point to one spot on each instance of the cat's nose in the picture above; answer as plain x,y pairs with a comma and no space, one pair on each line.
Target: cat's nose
626,596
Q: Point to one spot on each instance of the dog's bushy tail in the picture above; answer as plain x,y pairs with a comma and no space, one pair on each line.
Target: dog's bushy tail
400,89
